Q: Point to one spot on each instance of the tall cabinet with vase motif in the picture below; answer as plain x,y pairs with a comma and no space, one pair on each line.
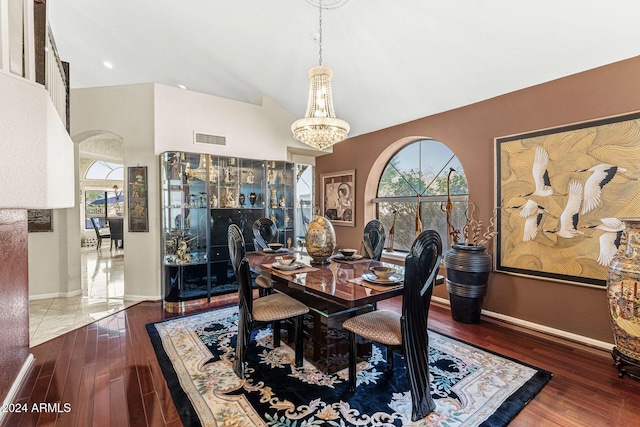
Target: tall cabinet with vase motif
201,194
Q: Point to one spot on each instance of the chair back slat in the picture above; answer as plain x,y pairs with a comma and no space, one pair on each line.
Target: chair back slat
245,316
421,268
373,240
236,246
265,231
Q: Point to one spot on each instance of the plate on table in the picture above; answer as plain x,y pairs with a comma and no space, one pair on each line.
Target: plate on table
347,258
271,251
290,267
372,278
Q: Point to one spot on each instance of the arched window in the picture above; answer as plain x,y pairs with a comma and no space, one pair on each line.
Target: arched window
107,201
421,169
105,170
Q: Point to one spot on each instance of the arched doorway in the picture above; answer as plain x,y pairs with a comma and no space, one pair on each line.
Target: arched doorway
101,187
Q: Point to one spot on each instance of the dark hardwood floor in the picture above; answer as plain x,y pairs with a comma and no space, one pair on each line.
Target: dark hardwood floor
108,374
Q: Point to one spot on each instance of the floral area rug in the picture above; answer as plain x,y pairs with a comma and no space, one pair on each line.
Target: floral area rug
470,386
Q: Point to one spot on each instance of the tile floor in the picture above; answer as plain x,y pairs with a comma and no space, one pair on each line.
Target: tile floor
103,290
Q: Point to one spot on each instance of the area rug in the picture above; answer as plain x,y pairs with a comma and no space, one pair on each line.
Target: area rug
470,386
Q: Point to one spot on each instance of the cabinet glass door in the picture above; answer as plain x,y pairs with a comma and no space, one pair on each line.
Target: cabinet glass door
281,178
304,201
184,225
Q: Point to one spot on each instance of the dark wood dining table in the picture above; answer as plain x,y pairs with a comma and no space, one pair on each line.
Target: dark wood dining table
333,291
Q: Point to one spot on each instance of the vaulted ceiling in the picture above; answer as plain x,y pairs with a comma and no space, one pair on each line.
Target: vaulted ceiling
393,60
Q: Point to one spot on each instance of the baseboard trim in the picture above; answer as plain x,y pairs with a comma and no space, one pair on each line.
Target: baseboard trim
56,295
525,326
140,298
22,377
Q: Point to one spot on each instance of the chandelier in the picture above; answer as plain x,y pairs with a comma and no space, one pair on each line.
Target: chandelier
320,128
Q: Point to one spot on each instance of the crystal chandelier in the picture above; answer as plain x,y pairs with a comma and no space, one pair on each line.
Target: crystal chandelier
320,128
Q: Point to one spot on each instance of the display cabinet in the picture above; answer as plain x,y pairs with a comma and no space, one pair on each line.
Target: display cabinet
202,194
303,201
281,193
185,230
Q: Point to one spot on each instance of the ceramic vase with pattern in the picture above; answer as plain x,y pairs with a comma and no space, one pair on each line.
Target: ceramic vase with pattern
623,292
320,239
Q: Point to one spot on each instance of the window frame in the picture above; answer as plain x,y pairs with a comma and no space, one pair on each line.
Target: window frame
439,198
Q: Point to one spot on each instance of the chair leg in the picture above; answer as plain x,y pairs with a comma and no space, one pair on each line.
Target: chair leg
391,357
299,340
276,333
352,361
242,341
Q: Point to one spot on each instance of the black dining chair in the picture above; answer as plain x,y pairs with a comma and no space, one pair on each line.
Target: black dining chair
100,232
268,309
116,227
265,231
405,333
373,240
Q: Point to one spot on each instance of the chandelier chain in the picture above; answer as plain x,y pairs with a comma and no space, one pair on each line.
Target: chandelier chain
320,36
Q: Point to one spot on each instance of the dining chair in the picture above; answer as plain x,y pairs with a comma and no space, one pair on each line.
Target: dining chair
265,231
269,309
373,240
265,286
100,232
116,227
405,333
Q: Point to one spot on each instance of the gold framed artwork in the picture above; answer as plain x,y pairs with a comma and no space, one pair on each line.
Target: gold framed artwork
338,197
563,194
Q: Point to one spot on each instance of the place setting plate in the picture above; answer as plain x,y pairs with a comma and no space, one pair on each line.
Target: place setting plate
372,278
271,251
347,258
290,267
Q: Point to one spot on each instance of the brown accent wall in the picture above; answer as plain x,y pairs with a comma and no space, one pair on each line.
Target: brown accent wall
470,131
14,296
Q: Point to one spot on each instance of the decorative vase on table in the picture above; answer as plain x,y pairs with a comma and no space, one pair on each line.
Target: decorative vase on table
468,269
624,302
320,239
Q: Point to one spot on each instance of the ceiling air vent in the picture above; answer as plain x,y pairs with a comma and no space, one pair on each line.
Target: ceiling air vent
204,138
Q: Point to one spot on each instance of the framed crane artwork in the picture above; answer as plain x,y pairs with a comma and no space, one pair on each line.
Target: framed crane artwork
563,194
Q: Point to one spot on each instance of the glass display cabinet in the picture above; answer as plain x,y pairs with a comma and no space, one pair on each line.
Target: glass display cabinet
185,231
202,194
304,201
281,178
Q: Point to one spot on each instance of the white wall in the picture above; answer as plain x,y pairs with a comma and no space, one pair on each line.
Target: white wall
255,131
128,112
38,160
50,274
152,119
33,145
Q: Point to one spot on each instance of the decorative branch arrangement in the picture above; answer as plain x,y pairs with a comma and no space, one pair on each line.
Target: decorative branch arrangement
454,235
472,232
392,232
418,221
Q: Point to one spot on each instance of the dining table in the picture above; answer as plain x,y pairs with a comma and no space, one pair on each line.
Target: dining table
340,288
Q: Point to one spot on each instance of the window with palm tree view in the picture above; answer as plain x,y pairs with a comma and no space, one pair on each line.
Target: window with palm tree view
420,173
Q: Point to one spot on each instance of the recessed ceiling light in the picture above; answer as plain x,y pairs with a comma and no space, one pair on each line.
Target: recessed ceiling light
182,86
107,64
